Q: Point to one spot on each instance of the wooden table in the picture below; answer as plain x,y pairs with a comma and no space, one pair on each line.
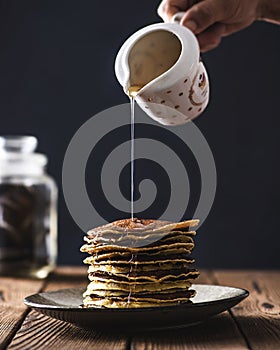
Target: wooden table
253,324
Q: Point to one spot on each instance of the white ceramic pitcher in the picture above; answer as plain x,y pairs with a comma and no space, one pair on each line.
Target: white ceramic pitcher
162,63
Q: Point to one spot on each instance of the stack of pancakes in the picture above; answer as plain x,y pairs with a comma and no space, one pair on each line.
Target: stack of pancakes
140,263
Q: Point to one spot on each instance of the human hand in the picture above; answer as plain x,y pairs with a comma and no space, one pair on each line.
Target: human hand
211,20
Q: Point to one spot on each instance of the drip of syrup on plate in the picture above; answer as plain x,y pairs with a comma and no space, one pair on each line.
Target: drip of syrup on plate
130,271
129,295
133,266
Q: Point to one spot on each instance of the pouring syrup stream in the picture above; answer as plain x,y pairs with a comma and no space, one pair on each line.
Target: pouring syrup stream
132,134
132,93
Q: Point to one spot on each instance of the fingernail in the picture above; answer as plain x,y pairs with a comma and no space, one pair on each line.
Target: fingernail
191,25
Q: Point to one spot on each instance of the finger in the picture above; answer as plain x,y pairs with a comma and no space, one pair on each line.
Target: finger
209,47
236,27
168,8
211,37
204,14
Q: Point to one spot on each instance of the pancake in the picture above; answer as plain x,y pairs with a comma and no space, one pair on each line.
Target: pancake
137,287
164,294
173,236
180,258
166,248
138,225
146,267
141,257
138,232
140,263
171,276
152,300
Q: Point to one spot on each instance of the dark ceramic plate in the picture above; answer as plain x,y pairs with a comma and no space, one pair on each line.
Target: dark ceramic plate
65,304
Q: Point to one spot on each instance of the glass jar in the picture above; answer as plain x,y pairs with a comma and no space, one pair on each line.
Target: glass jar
28,210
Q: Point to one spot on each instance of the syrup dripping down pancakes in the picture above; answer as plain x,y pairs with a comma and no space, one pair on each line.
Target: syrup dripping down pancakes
136,263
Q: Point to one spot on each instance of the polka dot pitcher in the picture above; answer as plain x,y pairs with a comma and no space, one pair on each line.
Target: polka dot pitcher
160,67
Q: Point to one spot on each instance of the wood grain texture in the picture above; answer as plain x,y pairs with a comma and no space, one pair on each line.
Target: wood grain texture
254,323
12,308
41,332
219,332
258,316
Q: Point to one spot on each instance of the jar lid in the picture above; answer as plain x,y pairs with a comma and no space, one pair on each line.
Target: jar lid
18,144
17,156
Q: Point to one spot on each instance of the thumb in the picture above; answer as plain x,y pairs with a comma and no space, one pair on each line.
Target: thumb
204,14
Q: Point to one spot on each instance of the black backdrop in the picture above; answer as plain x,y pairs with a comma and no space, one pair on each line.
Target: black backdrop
56,70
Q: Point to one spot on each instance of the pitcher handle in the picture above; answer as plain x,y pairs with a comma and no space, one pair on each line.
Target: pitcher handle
177,17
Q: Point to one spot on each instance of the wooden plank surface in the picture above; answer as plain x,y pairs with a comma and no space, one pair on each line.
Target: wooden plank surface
12,308
219,332
258,316
253,324
41,332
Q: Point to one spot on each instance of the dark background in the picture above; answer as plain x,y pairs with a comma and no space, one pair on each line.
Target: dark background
56,71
